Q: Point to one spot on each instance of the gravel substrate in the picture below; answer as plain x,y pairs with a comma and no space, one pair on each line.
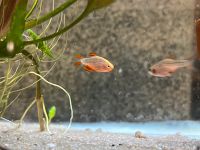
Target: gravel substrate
28,137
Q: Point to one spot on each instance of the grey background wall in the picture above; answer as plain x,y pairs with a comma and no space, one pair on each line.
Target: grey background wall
132,34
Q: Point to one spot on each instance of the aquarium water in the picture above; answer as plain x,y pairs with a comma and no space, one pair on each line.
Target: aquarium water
187,128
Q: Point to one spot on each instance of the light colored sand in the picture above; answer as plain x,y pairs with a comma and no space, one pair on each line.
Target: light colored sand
29,138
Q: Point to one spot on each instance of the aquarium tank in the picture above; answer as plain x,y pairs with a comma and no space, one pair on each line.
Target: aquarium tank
100,74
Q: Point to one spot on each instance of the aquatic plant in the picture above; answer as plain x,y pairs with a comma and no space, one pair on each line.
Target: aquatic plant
20,41
52,113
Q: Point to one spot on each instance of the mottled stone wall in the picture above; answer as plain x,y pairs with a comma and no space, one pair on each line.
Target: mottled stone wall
133,34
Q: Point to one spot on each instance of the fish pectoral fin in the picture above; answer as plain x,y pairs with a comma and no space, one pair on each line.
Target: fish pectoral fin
87,68
169,75
92,54
77,63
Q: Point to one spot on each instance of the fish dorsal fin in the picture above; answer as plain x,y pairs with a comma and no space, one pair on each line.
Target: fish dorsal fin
91,54
79,56
170,56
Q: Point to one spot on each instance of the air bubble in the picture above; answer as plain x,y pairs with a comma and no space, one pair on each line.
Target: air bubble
10,46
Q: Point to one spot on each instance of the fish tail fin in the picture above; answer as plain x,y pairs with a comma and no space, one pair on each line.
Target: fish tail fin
188,63
79,56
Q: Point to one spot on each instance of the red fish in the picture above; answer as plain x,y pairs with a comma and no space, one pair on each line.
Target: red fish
167,67
94,63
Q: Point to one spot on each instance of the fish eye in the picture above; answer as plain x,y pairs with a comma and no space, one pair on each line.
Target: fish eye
108,66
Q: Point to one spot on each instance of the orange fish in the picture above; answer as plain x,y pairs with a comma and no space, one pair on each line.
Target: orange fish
94,63
167,67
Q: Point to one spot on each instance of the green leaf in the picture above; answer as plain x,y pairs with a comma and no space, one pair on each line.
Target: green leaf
14,35
97,4
92,5
41,45
33,22
17,25
52,113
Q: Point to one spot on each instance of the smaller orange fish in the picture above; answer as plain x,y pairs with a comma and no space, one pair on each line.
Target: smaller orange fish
167,67
94,63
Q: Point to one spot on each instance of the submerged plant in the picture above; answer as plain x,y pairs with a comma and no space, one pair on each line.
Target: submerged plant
21,42
52,113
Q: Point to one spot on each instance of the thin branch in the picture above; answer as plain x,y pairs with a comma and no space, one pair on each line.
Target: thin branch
32,9
25,112
46,17
61,31
70,101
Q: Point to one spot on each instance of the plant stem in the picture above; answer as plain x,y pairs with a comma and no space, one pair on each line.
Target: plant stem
34,22
83,15
32,8
38,96
39,104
